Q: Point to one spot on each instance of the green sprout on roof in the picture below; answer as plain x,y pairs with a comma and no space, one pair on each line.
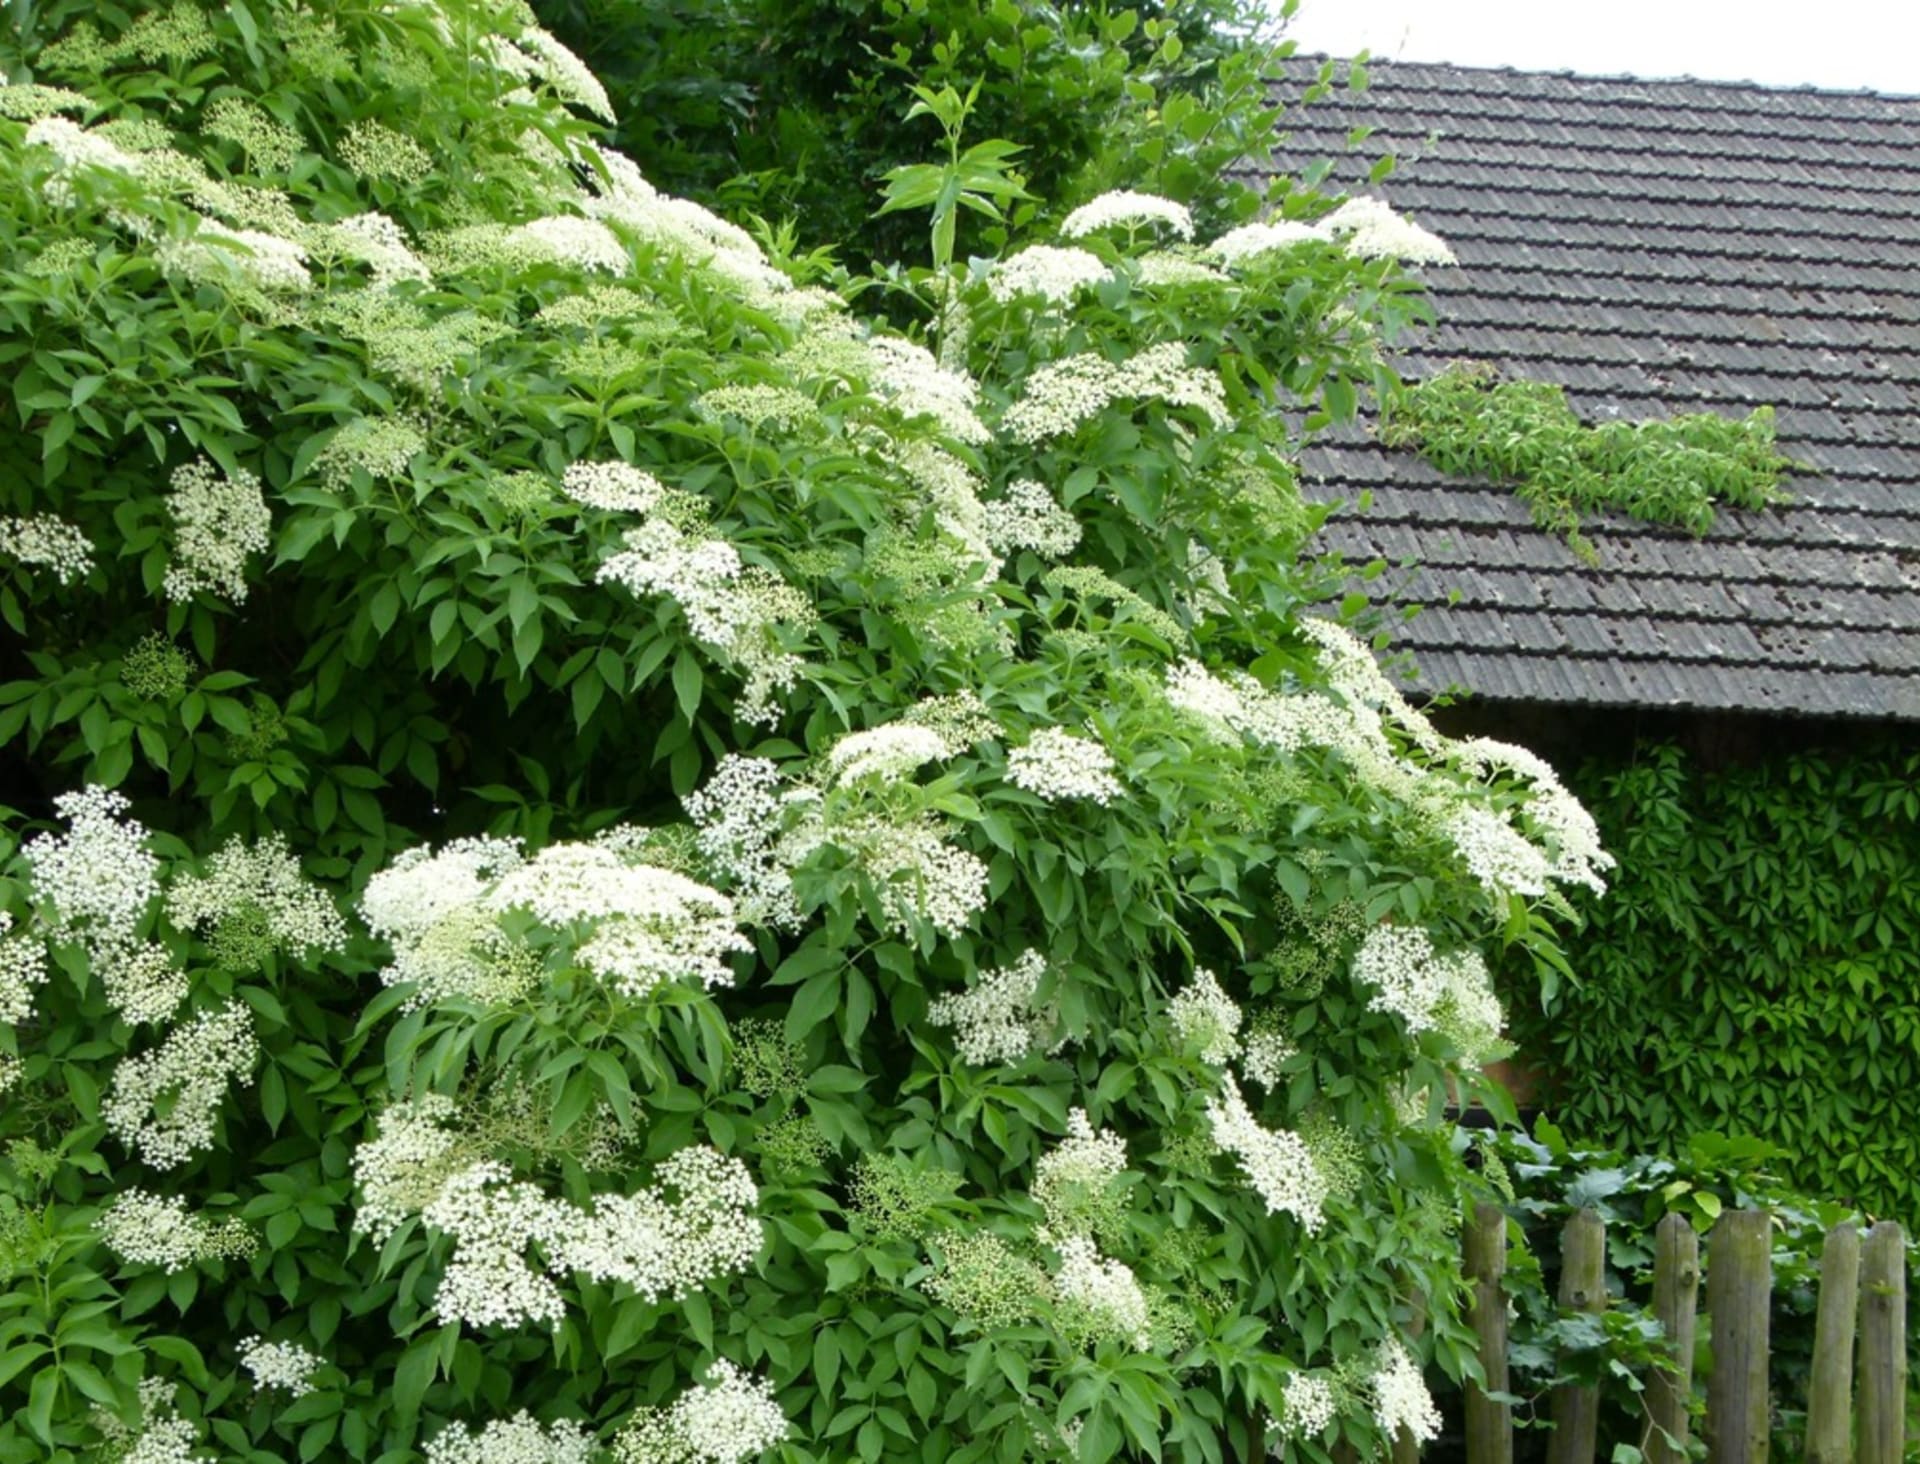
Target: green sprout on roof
1677,470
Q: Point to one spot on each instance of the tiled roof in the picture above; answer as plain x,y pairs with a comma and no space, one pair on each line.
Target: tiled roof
1655,247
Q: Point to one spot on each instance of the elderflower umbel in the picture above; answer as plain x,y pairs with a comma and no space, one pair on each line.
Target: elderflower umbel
1496,853
407,1163
159,1230
263,883
1205,1017
616,487
1055,765
1063,394
516,1440
729,1418
1409,977
996,1018
98,875
50,542
1104,1292
1277,1163
214,254
884,753
494,1219
570,77
917,875
284,1365
23,966
74,148
1310,1406
1250,241
194,1064
1125,207
1052,273
984,1279
1026,516
739,812
1570,830
912,380
379,242
1267,1048
1369,228
1073,1181
374,150
567,239
1173,271
1400,1396
218,520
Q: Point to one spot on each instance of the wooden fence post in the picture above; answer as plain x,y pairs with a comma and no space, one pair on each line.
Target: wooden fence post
1583,1287
1489,1422
1883,1345
1739,1292
1676,1291
1830,1389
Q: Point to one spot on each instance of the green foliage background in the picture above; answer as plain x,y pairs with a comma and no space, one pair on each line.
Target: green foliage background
795,108
1753,970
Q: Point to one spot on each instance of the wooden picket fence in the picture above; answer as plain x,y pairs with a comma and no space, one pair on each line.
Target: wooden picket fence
1862,1315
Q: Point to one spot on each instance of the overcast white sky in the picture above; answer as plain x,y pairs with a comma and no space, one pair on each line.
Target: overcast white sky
1831,43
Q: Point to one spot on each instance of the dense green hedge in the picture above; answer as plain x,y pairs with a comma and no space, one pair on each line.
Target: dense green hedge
1755,968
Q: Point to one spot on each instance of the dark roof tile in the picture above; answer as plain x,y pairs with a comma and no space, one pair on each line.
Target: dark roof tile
1656,247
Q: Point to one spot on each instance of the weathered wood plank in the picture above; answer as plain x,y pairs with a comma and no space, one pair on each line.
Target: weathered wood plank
1830,1389
1883,1345
1739,1292
1489,1422
1583,1287
1676,1295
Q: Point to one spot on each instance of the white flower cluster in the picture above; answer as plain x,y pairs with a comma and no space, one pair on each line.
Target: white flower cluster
516,1440
164,1437
912,380
1363,226
996,1019
1026,516
916,873
100,880
159,1230
12,1070
741,812
1205,1017
695,1224
571,240
1412,980
285,1365
651,925
1267,1048
1169,270
1055,765
1569,828
1076,1173
214,254
1277,1162
194,1064
1400,1396
1310,1406
263,882
74,148
1496,853
1369,228
615,486
48,541
218,520
571,78
1250,241
730,606
1124,207
378,240
887,753
1063,394
440,912
682,227
1105,1292
406,1163
23,966
1052,273
728,1419
952,490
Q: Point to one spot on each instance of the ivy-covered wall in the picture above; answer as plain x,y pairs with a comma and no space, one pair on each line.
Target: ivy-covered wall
1755,967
